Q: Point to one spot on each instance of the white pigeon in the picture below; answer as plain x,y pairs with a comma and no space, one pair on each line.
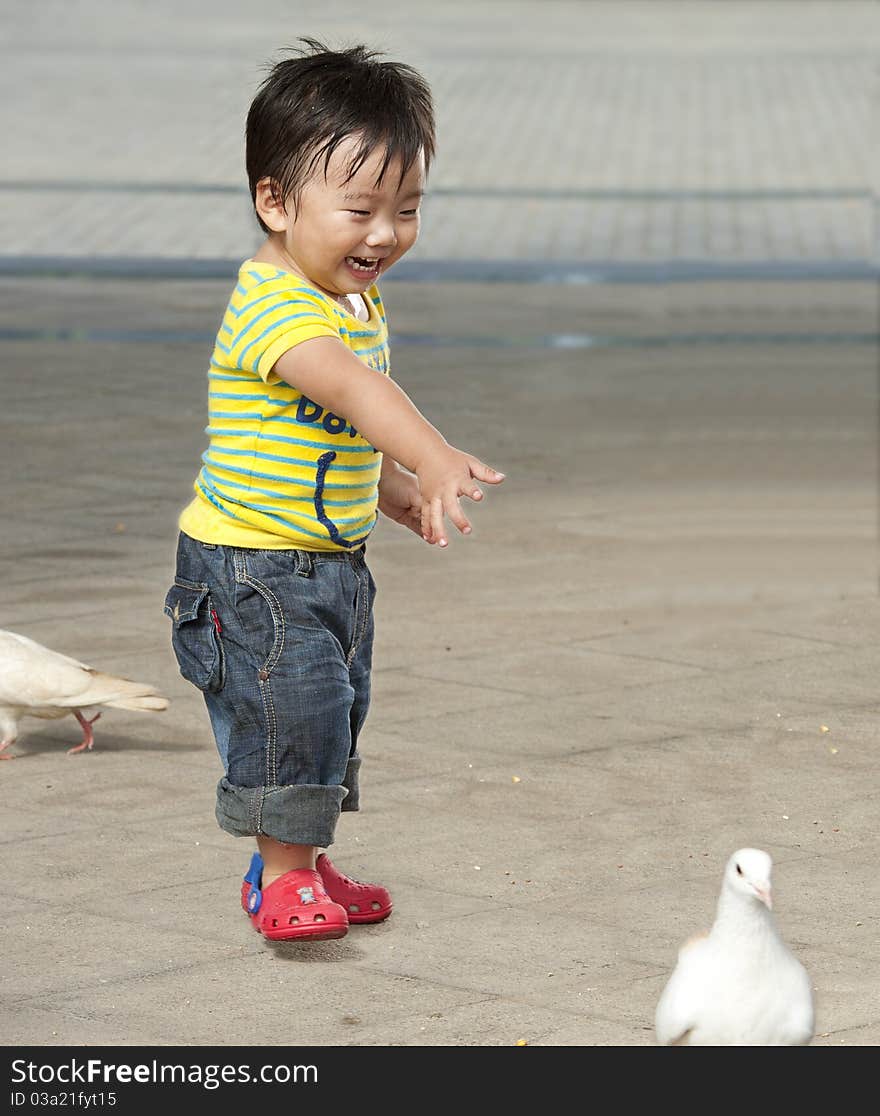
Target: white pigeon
37,682
738,985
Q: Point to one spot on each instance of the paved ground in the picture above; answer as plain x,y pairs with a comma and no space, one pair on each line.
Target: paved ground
658,646
579,712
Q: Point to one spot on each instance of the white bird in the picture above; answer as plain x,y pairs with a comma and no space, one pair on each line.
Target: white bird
37,682
739,984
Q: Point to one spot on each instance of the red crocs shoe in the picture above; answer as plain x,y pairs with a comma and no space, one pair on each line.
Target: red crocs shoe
296,907
363,902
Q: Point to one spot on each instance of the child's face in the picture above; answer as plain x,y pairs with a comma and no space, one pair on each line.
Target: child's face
343,235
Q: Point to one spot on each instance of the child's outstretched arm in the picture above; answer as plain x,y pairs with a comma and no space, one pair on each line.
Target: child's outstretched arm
323,369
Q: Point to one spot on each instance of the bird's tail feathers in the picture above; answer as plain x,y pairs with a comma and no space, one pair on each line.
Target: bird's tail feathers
145,704
122,693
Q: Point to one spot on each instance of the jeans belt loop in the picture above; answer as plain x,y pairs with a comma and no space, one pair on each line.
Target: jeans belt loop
303,563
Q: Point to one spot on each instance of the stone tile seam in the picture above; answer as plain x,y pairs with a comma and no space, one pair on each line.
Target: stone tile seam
697,666
491,997
683,677
39,998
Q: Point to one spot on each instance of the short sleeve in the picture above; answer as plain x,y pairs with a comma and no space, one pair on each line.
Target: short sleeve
277,317
287,340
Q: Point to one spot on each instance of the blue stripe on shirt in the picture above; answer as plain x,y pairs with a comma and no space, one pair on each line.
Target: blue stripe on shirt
265,435
293,460
253,378
208,460
218,484
285,300
249,395
295,422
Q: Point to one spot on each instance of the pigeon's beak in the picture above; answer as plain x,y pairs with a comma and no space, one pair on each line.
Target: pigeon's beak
764,894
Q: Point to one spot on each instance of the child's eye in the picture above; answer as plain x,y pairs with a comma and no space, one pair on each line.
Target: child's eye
360,212
408,212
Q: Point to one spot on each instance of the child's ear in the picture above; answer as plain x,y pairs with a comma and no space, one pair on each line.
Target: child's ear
269,205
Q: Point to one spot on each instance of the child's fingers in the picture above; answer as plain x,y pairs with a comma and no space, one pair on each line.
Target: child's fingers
435,519
485,472
432,522
433,516
457,516
425,519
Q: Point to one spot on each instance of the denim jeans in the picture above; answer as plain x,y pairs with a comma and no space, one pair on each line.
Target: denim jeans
280,644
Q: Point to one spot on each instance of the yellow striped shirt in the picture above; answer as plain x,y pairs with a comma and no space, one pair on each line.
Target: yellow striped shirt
280,471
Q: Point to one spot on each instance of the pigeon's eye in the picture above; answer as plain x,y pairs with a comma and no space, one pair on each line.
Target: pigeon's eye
739,870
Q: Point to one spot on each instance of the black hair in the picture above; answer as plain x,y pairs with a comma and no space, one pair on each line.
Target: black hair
309,104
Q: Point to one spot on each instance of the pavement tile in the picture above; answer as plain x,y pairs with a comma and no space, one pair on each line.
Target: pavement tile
217,1007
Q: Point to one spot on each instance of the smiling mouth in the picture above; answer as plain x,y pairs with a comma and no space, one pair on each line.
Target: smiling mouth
361,263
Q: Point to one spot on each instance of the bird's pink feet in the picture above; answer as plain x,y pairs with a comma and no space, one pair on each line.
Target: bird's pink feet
88,736
3,745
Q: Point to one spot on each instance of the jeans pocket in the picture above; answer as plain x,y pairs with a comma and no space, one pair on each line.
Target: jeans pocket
194,635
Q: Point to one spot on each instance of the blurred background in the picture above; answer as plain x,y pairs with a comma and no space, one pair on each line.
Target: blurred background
626,131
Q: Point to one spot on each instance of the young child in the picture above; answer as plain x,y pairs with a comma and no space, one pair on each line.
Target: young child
272,599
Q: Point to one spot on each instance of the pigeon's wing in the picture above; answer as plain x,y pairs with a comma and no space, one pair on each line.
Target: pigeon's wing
679,1006
33,675
800,1025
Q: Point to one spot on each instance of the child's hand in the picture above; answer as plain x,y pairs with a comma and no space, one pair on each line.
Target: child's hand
400,499
444,476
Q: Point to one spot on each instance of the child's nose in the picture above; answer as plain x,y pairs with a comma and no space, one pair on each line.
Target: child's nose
382,235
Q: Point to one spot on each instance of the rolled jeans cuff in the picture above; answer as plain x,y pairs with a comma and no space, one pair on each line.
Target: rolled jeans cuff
352,800
299,814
